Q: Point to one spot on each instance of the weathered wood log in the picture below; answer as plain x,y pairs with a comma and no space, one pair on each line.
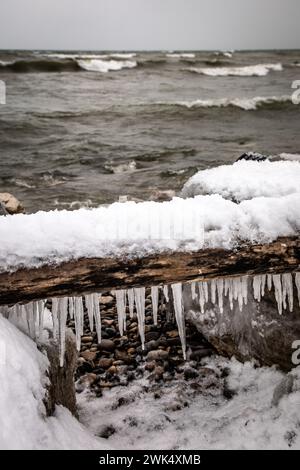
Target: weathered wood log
103,274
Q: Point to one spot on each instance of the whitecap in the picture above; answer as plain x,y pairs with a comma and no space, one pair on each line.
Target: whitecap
259,70
183,55
103,66
247,104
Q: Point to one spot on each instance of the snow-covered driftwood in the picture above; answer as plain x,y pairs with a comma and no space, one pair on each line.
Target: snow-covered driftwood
101,274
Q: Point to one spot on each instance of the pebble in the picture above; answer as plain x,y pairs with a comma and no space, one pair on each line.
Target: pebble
107,299
86,339
105,363
157,355
89,355
112,370
107,345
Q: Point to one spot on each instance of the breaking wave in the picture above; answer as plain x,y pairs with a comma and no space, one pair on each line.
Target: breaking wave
183,55
247,104
259,70
68,62
98,65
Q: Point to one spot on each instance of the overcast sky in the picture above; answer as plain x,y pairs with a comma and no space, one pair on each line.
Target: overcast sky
149,24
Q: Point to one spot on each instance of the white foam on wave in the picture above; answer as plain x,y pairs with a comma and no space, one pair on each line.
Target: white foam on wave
4,63
122,55
183,55
247,104
103,66
259,70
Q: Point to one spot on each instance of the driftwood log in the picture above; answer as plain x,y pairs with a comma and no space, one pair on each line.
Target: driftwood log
102,274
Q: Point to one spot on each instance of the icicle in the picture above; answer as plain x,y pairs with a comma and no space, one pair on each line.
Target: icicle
287,291
229,291
97,314
201,297
78,317
297,282
257,287
40,309
263,284
193,291
278,291
62,320
154,297
121,309
245,289
55,317
239,291
213,291
179,314
166,293
130,295
89,303
71,308
220,286
139,296
205,291
269,281
29,311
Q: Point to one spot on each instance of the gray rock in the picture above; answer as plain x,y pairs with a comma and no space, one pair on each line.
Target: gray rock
107,345
158,354
11,204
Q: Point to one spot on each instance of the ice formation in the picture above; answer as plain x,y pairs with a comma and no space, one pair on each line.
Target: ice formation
121,309
154,296
139,297
31,317
179,314
130,295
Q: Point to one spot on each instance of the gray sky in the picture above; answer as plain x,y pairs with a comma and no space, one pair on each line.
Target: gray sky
149,24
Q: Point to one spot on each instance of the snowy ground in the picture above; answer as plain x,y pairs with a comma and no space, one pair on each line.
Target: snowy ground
182,415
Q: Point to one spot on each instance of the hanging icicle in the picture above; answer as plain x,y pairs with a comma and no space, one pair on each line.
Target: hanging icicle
139,297
257,281
78,317
278,291
154,297
166,292
130,295
55,317
193,291
179,314
71,308
62,321
121,309
89,303
213,287
201,297
220,286
287,291
97,314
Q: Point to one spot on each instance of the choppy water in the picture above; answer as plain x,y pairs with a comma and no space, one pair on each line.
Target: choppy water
85,128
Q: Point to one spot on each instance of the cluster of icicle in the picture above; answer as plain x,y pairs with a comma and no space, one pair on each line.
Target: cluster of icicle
236,289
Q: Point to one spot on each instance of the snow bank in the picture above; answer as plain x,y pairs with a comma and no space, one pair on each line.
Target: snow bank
246,180
23,423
